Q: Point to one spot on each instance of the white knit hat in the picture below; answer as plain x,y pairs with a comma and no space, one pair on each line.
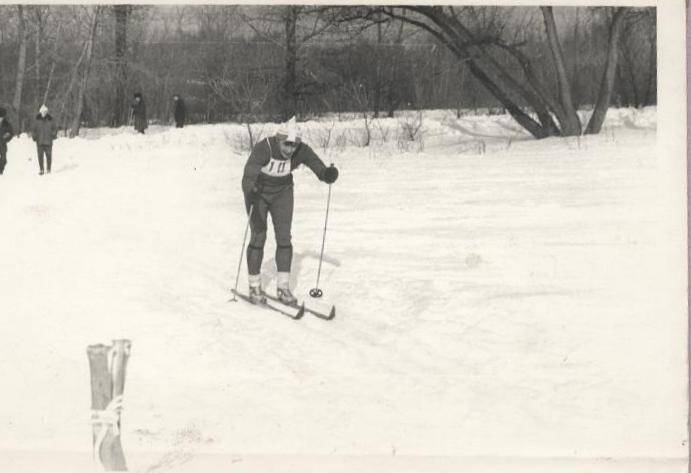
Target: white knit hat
289,131
43,109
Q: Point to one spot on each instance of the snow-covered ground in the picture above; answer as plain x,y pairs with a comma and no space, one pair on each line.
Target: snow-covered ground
496,295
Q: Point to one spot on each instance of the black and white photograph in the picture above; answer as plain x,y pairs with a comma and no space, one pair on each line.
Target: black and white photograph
357,238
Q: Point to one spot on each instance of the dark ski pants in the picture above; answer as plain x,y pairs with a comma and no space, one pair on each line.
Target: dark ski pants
3,161
280,207
46,150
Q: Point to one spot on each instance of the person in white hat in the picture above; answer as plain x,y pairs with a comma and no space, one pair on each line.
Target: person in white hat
44,131
267,184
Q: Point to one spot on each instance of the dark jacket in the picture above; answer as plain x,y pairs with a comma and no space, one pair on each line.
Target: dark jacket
139,115
180,111
44,129
267,169
6,134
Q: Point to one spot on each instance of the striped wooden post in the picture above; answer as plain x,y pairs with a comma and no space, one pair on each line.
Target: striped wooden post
108,366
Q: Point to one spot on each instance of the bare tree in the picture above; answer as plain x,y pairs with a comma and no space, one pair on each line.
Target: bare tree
568,117
121,13
39,19
477,37
264,62
21,64
300,24
638,62
76,122
290,97
53,61
245,91
607,84
651,83
391,74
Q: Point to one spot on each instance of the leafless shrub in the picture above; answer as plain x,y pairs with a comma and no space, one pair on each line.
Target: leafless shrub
359,137
324,135
410,127
255,135
244,142
474,147
382,131
411,134
341,141
367,135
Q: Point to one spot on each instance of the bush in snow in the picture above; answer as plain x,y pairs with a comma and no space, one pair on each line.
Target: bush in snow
411,133
324,135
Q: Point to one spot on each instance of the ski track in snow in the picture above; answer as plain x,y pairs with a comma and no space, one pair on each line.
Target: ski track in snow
476,295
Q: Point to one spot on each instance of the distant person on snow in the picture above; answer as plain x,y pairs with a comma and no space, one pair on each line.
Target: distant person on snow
139,113
180,112
267,184
6,134
44,131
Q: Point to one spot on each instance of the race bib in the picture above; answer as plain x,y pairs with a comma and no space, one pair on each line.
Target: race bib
277,167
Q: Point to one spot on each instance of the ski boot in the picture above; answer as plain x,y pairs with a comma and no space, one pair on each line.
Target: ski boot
286,297
257,295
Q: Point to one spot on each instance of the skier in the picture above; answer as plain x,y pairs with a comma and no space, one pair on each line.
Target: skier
179,112
44,131
6,134
139,113
267,184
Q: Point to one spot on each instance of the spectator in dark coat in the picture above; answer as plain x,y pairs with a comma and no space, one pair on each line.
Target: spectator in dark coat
44,131
6,134
180,111
139,113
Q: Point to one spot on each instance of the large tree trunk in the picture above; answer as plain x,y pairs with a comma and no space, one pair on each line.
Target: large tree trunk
76,123
532,93
523,119
378,74
121,14
576,60
607,83
21,66
651,83
620,94
492,75
393,97
290,99
570,124
631,66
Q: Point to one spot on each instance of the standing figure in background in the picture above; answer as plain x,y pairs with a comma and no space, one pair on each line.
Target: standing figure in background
180,111
6,134
139,113
44,131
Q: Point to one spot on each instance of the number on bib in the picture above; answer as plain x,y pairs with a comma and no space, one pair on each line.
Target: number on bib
277,167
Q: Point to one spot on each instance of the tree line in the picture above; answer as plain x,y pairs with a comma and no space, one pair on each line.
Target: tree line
261,63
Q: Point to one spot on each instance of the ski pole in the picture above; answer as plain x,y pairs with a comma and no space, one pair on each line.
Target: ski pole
316,292
242,252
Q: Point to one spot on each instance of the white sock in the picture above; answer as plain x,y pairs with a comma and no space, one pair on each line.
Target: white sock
283,280
255,280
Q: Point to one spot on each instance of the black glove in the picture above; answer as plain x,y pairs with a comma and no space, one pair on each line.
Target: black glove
253,194
330,174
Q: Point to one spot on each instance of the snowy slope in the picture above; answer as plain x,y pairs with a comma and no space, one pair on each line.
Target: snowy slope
496,296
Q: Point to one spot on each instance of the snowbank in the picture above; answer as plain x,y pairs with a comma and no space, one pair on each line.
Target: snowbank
489,300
